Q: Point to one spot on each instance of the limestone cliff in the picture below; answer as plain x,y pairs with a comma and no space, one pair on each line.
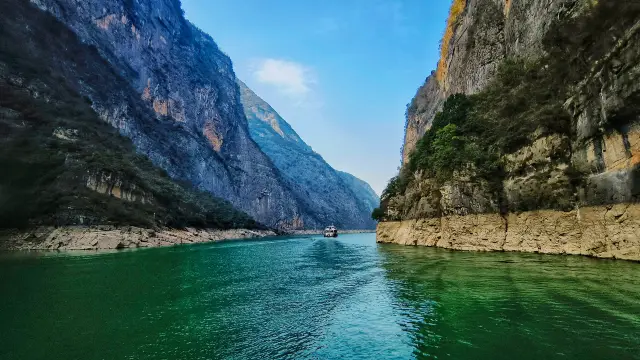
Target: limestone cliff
333,197
598,231
557,188
168,88
64,165
480,34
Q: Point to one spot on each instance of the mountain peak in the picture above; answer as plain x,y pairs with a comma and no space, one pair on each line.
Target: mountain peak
334,196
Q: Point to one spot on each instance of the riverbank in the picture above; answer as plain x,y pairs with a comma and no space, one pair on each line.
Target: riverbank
611,231
111,237
107,237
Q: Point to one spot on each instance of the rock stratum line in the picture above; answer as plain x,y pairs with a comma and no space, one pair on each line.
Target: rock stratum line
527,137
598,231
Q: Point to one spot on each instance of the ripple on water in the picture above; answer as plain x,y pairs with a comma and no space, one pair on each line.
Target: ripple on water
314,298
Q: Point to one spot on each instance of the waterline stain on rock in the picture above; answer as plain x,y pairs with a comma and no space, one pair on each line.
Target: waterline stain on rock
609,231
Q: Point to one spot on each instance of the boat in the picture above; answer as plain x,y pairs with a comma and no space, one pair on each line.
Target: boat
330,231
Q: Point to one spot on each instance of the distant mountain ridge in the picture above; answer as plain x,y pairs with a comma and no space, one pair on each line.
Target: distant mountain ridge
362,189
332,196
140,70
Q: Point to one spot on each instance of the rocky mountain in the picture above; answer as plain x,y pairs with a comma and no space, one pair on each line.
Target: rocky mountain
332,196
527,135
166,86
479,36
362,190
140,67
62,163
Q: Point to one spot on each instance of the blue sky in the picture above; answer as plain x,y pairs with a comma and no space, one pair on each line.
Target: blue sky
339,71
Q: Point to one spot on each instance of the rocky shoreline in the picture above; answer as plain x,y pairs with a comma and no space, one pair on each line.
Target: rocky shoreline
111,237
611,232
107,237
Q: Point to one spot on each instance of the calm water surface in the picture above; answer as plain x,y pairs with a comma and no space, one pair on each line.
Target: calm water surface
311,298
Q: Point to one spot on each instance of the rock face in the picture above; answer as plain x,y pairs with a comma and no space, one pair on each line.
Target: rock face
362,190
333,197
112,238
193,124
575,193
599,231
63,164
484,34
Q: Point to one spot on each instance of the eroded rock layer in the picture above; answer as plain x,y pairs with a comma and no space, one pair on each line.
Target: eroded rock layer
165,85
599,231
574,191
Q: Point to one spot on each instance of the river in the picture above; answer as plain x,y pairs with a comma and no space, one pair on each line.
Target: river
311,298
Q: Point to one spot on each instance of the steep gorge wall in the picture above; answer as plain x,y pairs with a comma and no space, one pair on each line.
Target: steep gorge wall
563,193
598,231
180,104
480,34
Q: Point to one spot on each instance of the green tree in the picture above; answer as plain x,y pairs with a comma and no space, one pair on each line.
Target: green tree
377,214
448,152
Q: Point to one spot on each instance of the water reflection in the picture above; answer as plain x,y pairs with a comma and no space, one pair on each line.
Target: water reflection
312,298
508,305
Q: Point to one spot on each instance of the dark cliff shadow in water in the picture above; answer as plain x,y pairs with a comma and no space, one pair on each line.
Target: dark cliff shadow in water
464,305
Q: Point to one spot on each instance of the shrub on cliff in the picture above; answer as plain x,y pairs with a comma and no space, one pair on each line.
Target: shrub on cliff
524,101
377,214
521,103
447,145
444,148
397,185
52,141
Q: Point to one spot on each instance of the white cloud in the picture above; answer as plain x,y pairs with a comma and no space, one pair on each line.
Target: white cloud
290,78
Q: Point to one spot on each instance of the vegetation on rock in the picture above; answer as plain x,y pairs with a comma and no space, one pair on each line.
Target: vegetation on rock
457,7
377,214
46,173
524,101
54,145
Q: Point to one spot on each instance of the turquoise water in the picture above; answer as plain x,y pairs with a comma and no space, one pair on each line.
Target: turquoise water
311,298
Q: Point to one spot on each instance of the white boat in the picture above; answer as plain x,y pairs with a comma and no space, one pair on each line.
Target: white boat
330,231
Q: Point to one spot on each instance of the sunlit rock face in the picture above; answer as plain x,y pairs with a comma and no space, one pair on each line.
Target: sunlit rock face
180,103
575,192
599,231
480,34
332,196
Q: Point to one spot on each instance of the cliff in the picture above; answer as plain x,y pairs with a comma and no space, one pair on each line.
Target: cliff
333,197
165,85
540,152
62,164
479,36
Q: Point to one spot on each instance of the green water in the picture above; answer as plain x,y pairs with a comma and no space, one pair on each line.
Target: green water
311,298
